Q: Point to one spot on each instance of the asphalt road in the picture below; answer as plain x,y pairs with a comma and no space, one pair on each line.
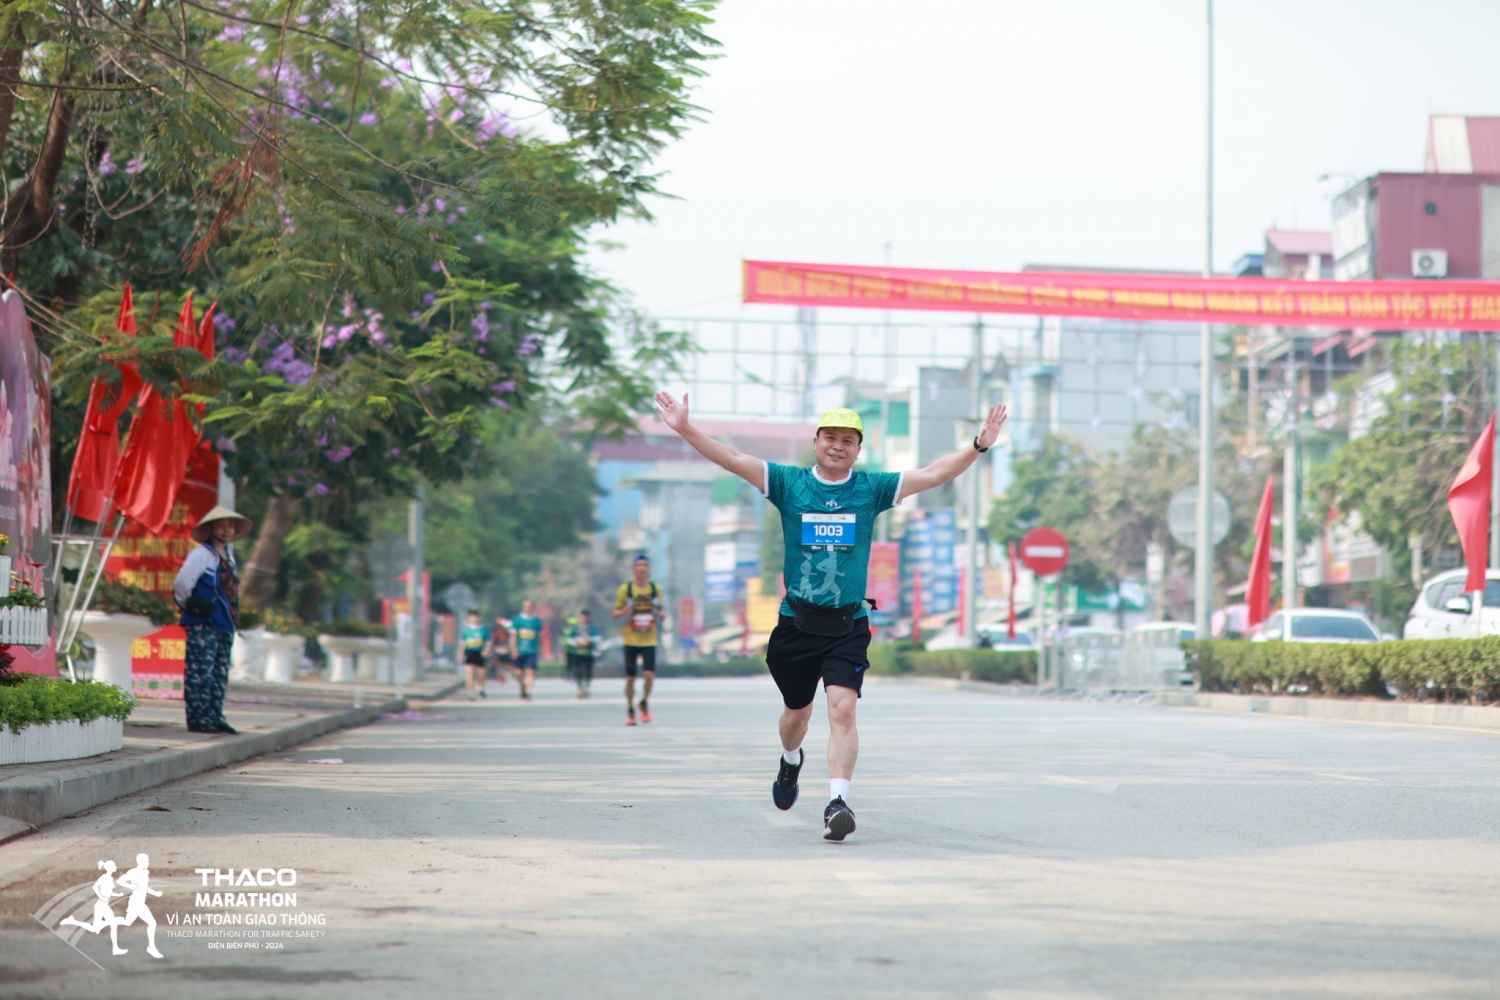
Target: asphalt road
1008,847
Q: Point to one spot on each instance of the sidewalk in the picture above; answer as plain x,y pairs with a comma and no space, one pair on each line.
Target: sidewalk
158,748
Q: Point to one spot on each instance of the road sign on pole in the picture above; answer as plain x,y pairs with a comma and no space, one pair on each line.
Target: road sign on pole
1044,551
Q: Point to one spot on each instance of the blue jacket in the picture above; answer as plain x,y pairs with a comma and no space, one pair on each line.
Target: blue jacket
200,576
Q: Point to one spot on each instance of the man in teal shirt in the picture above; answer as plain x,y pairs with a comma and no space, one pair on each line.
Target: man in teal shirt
528,630
827,520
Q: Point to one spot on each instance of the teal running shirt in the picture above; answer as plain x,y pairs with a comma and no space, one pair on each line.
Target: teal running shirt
528,634
827,528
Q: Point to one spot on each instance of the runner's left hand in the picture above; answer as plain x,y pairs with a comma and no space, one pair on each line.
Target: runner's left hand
990,432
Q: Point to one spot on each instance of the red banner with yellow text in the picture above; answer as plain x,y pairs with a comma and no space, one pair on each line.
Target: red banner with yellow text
1378,305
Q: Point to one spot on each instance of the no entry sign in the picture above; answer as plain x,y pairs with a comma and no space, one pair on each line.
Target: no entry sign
1044,551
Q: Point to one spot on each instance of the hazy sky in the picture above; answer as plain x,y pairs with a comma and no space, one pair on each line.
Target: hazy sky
993,134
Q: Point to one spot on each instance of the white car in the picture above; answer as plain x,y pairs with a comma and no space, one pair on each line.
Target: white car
1316,625
1444,611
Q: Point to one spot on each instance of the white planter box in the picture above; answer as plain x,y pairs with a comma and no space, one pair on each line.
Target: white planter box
66,740
23,626
247,658
374,660
112,635
341,650
283,655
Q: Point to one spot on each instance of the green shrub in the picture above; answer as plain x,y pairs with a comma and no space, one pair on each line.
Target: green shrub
112,597
901,658
353,630
40,700
1442,669
249,619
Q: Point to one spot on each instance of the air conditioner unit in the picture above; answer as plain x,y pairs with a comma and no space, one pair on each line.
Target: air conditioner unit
1429,263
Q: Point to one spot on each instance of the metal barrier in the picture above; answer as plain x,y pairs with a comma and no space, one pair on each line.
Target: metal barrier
1143,661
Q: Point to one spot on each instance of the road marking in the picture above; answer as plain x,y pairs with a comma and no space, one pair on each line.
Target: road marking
783,819
1345,777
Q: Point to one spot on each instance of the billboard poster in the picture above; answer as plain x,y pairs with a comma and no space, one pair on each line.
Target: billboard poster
25,465
884,581
150,561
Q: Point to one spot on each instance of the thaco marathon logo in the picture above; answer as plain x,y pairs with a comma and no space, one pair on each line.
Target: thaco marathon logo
231,908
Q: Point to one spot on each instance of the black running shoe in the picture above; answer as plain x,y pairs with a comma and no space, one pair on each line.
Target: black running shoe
784,789
838,820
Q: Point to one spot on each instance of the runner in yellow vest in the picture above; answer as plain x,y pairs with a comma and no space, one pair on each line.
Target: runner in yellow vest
639,603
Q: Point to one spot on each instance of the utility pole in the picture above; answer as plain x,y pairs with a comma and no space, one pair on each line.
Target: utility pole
1203,550
976,473
416,516
1289,483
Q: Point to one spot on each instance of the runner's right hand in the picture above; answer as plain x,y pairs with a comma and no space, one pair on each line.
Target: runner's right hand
672,413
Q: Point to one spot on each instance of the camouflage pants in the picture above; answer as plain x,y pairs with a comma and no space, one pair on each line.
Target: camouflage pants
206,675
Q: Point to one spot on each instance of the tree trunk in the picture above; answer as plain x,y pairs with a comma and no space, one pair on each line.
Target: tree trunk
260,573
11,49
29,210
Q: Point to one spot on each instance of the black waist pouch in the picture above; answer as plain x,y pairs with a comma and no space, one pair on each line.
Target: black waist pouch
199,607
815,619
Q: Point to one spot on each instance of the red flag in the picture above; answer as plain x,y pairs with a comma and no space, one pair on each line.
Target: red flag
161,442
1469,503
916,605
98,456
1010,620
1258,590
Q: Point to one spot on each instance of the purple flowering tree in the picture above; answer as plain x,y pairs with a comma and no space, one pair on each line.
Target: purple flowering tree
390,202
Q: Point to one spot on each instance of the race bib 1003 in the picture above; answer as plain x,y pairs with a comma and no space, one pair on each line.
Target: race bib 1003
836,531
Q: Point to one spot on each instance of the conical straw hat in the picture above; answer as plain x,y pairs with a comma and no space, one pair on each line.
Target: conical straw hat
200,533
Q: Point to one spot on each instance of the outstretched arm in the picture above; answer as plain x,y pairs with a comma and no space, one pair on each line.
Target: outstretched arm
949,466
675,415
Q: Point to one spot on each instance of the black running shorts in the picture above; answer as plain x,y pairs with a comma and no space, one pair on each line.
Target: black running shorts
474,657
799,660
638,659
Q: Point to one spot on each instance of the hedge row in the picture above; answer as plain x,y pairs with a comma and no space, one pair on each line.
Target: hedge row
1459,670
40,700
895,659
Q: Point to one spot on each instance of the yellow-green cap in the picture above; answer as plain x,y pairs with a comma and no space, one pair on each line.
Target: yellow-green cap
842,417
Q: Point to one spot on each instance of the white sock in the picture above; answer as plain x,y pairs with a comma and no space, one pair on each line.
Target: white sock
793,757
837,788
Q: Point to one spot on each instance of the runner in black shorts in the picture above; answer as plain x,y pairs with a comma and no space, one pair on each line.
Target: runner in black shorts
639,602
828,518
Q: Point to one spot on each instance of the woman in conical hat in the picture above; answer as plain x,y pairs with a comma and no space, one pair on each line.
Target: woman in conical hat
207,590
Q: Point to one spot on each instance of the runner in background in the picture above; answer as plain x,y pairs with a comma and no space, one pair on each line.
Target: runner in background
639,603
582,640
502,651
528,630
474,640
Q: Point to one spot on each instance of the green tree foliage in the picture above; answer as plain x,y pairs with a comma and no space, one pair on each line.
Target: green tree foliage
1397,476
1113,507
390,201
535,496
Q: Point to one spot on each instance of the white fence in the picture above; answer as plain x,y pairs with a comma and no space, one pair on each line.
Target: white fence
23,626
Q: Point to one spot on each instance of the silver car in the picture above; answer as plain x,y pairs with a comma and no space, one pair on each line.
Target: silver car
1316,625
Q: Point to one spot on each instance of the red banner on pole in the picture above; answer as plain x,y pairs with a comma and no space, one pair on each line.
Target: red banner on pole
1258,589
1380,305
150,560
1469,503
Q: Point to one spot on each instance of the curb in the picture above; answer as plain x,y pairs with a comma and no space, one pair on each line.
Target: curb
26,805
1479,717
